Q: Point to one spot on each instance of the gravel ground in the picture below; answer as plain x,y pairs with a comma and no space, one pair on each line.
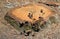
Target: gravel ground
52,31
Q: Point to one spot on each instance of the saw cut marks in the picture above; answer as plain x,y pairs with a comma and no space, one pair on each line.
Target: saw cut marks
25,14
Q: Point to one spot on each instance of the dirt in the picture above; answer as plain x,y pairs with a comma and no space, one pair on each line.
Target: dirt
52,31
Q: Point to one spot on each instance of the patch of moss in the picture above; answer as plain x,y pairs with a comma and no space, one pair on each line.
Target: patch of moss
12,21
26,26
